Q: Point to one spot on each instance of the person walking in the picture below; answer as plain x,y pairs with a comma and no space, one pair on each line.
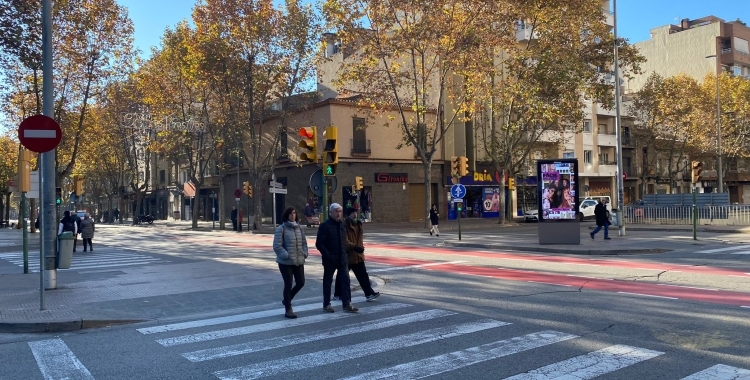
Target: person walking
434,220
602,219
234,218
355,250
116,214
331,242
290,245
77,220
87,232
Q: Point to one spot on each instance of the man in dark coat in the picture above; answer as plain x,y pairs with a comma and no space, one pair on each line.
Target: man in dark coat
331,242
602,218
234,218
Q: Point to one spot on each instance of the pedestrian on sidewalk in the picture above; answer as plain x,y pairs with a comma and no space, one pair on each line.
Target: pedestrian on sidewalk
602,218
290,245
234,218
67,224
87,232
77,220
434,220
355,250
331,242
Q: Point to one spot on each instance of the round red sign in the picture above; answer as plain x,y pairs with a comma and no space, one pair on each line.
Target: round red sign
39,133
237,193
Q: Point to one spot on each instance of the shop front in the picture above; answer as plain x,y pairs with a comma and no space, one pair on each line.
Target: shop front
482,198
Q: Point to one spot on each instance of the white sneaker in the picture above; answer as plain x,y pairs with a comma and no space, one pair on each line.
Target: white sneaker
334,298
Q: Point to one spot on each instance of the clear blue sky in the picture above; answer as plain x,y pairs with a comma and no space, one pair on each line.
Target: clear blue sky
635,17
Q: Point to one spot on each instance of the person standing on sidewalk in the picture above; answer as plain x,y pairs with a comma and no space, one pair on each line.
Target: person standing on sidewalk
355,250
67,224
331,242
602,219
77,220
87,232
434,220
290,245
234,218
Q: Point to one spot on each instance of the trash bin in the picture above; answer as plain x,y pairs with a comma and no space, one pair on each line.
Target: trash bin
616,218
65,249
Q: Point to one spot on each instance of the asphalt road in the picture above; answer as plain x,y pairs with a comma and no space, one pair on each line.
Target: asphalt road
445,313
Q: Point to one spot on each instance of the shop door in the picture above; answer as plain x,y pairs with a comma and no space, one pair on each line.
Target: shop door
416,202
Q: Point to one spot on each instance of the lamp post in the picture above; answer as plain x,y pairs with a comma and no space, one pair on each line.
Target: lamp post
720,168
618,132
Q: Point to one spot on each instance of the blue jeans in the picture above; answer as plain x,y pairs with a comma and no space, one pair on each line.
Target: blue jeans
342,280
598,228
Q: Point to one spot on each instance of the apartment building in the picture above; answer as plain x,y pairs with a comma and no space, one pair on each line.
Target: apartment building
694,47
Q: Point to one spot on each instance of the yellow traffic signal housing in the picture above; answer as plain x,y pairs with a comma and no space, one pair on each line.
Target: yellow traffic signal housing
463,166
511,183
78,184
358,183
454,166
24,171
697,167
247,189
309,144
330,152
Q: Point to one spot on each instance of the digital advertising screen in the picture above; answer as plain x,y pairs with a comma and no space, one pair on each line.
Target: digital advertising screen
558,189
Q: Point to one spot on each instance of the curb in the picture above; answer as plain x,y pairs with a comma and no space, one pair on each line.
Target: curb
61,326
705,230
555,250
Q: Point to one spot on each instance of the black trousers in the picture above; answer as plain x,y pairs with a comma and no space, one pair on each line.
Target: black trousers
360,272
342,280
75,242
289,273
87,241
234,224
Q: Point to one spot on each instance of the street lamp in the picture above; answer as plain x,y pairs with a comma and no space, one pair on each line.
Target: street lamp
620,181
718,126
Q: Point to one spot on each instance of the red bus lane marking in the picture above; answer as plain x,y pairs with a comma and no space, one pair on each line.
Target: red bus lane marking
638,288
575,261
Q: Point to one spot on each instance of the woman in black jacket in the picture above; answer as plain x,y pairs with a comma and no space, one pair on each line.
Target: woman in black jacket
434,220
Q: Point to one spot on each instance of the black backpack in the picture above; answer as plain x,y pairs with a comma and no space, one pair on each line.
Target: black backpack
68,225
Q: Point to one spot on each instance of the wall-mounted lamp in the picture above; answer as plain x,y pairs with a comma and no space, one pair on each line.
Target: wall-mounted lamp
403,186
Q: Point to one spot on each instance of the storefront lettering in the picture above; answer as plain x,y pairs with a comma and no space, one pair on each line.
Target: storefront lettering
391,177
482,177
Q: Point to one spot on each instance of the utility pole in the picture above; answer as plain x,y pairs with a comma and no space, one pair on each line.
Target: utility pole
47,165
618,130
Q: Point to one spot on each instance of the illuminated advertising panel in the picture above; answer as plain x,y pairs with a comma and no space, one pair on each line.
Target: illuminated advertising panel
558,189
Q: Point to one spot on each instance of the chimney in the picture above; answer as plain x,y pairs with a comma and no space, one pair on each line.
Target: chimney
685,24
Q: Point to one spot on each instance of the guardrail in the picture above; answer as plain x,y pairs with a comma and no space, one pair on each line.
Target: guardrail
729,215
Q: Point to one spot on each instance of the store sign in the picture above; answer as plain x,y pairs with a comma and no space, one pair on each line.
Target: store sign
477,178
392,177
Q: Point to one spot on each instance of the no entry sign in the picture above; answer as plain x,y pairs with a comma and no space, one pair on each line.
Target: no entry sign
39,133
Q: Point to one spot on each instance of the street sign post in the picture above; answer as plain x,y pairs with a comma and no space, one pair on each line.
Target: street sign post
39,133
458,191
316,180
276,190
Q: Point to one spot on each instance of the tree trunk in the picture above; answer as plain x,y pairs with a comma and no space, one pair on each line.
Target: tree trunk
428,192
257,202
222,197
196,202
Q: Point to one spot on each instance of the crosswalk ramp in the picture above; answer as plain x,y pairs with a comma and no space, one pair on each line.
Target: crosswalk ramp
740,249
263,344
101,258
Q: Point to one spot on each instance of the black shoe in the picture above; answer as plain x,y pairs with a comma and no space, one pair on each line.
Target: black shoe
592,234
350,309
606,238
372,296
437,235
430,233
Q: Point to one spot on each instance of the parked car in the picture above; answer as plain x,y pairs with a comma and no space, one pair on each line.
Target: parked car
531,215
145,219
586,210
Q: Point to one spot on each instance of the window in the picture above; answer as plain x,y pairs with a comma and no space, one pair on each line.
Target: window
359,136
569,155
588,157
162,176
587,126
604,159
603,129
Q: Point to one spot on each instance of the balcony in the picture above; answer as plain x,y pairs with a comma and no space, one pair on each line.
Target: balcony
606,138
601,111
360,147
525,34
607,169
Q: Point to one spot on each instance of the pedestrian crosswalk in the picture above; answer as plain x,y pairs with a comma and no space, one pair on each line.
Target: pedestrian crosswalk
385,329
101,258
741,249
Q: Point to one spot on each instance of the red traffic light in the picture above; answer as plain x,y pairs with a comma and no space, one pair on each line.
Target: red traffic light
307,132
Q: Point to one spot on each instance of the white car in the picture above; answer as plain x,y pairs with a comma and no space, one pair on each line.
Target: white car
531,215
586,210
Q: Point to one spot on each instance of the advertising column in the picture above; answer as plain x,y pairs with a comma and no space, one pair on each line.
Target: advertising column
558,201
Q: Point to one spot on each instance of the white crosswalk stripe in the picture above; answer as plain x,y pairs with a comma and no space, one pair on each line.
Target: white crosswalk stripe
336,325
101,258
56,361
727,249
720,372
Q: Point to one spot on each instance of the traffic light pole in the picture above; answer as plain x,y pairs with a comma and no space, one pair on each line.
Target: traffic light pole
324,184
25,234
695,214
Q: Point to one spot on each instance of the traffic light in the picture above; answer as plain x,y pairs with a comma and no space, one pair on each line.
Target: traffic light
309,144
24,171
511,183
463,166
330,152
697,170
247,189
78,185
358,183
454,166
58,195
